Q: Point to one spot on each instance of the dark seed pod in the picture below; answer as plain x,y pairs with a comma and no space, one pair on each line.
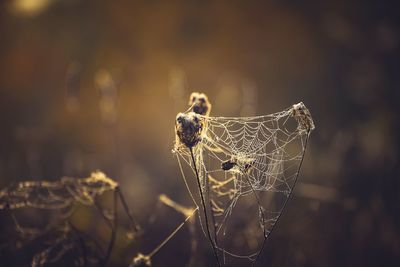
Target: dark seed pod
188,128
200,104
303,117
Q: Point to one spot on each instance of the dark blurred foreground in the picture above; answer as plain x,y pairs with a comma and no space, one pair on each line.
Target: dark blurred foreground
89,85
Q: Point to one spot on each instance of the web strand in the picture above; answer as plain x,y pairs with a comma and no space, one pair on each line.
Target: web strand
241,156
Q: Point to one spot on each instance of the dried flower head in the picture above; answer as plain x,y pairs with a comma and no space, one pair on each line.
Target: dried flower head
141,261
188,128
303,117
200,103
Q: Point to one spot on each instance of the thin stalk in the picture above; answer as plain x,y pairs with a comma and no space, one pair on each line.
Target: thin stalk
113,230
287,199
263,219
203,202
151,254
127,210
103,216
81,243
211,211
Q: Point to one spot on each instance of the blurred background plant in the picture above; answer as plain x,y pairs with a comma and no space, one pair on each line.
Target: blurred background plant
91,85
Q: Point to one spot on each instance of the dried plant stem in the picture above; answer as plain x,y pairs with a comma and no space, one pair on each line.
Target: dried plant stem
211,211
81,243
103,216
85,236
287,199
204,207
113,230
151,254
263,219
146,259
193,243
127,210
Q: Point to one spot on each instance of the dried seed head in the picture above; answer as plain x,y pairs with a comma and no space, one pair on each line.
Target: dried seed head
188,128
200,104
140,261
303,117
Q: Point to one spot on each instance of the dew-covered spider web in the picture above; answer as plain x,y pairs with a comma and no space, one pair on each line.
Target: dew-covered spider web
247,168
53,237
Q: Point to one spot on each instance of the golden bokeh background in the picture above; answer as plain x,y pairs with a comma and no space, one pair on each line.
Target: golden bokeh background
96,84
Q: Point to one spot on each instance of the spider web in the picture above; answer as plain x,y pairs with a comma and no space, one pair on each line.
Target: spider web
247,168
56,195
57,201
